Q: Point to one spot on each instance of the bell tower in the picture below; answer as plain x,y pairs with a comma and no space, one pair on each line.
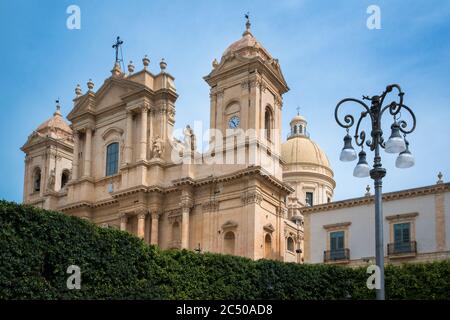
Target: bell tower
246,89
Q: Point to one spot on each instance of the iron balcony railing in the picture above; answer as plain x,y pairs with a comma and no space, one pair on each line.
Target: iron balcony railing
403,247
336,255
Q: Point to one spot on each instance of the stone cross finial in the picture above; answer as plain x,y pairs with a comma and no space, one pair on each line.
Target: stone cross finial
298,111
440,175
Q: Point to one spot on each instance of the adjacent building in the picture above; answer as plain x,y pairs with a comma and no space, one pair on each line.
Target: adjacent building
415,227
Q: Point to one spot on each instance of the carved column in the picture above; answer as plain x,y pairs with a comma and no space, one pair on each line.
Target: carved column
155,228
141,223
87,152
123,221
186,204
185,227
165,109
76,146
28,185
143,148
129,137
152,113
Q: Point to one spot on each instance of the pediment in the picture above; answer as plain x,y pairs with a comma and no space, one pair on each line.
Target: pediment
33,139
230,224
83,105
234,61
108,94
112,131
112,90
227,63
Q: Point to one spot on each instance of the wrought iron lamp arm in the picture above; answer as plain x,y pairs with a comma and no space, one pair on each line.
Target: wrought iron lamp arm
394,109
388,90
349,120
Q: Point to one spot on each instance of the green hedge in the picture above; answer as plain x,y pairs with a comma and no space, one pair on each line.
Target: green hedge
37,246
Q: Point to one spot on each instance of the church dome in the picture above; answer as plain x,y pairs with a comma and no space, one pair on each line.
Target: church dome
300,149
247,46
56,125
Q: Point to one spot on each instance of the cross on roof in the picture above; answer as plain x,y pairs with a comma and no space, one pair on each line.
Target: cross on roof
116,46
298,111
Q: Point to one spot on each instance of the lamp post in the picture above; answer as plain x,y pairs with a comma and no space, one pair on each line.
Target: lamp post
395,144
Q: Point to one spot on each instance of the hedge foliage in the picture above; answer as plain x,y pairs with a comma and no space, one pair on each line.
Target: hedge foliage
37,246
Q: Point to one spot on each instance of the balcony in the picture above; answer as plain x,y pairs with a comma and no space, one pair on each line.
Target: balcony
402,249
339,255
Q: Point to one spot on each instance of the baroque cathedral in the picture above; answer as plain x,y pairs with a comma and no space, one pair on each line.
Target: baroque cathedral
117,162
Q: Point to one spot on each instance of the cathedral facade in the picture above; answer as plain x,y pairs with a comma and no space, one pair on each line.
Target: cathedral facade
118,163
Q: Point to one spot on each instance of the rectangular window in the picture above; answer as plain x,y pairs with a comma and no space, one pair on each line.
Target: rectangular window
402,237
112,159
337,249
309,198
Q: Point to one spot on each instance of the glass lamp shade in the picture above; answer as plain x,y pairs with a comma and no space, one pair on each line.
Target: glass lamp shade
396,143
405,159
362,169
347,153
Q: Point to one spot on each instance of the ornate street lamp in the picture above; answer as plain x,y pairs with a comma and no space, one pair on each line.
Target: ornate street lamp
395,144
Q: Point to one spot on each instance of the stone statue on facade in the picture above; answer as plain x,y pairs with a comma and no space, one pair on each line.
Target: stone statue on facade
189,138
157,147
51,180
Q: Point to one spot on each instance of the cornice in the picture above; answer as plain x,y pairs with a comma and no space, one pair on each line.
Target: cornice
76,205
137,189
63,145
313,174
402,216
253,63
390,196
337,225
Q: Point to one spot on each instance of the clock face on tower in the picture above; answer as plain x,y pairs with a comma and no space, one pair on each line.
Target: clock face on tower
233,123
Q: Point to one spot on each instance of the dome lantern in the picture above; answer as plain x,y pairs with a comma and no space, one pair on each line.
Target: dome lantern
298,126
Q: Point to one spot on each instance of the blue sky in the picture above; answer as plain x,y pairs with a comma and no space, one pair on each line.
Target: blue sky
325,50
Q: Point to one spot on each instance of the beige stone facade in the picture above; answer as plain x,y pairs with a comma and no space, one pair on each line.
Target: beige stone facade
128,171
119,164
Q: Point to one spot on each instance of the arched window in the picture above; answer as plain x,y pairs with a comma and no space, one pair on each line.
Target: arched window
64,178
37,180
267,246
290,244
268,123
229,242
112,159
